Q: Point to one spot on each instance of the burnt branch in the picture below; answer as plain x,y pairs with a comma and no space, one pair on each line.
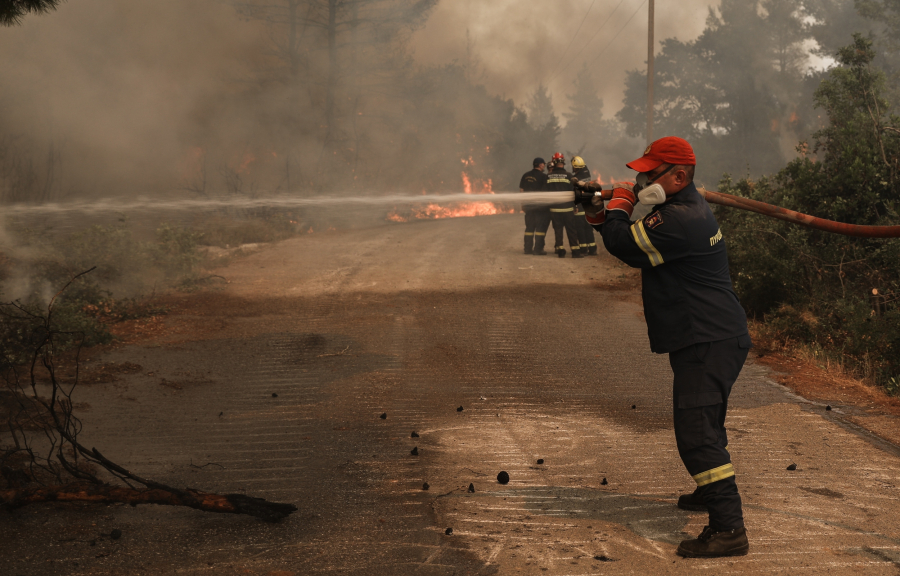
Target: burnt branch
42,458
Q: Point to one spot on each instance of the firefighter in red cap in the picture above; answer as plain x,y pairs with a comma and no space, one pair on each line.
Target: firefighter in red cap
693,315
537,216
562,215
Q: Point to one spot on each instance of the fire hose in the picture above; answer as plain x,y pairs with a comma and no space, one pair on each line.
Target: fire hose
779,213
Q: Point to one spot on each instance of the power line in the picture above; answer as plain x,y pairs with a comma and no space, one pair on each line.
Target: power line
588,42
575,35
617,33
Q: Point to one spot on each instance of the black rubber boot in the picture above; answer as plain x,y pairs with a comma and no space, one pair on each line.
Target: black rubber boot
715,544
578,253
539,253
592,251
693,502
561,253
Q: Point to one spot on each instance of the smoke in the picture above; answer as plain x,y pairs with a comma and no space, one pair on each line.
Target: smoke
519,44
161,97
113,93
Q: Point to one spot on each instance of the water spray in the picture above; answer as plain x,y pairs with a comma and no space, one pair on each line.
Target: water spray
533,198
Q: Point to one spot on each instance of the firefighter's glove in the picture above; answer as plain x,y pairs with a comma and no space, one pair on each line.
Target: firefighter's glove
623,198
594,212
583,196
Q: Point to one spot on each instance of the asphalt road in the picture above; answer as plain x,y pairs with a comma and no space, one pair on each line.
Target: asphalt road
547,358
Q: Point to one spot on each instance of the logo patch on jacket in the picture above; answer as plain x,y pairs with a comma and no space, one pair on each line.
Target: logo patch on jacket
653,220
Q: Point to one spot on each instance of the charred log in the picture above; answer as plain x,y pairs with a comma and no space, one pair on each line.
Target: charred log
106,494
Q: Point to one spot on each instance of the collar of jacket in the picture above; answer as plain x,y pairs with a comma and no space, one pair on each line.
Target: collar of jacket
681,195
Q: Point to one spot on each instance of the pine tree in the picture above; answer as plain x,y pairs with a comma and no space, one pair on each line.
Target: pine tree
12,11
542,118
584,121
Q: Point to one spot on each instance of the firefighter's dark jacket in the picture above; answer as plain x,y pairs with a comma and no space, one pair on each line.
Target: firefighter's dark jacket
532,181
686,284
584,175
559,180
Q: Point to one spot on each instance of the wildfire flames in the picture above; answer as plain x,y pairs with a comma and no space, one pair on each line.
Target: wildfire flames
460,210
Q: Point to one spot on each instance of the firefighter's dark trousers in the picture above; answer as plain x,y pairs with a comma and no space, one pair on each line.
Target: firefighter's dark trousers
585,233
564,218
704,374
537,221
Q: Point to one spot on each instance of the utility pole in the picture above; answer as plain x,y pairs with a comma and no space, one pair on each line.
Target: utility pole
650,74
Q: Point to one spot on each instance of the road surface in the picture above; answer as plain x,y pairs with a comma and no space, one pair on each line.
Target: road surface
273,383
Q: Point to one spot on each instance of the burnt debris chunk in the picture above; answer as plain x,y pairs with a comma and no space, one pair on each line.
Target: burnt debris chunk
792,467
471,488
604,482
414,435
448,531
383,416
634,406
425,486
828,408
540,461
460,409
503,477
603,558
115,534
414,451
274,395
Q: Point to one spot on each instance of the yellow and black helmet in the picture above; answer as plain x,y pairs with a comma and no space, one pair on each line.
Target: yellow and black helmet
578,162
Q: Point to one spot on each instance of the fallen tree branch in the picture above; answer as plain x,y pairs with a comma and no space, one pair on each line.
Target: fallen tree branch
66,469
106,494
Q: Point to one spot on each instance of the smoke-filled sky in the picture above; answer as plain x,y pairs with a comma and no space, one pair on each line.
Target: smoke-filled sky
521,43
130,85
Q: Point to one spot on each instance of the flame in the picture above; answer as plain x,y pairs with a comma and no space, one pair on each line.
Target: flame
464,210
461,210
246,161
394,217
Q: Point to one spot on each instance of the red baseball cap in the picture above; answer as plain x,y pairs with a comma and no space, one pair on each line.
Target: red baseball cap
668,150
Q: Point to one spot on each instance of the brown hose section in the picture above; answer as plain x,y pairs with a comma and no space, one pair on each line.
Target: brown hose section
794,217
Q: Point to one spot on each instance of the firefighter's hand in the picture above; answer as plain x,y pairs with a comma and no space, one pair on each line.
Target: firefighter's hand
578,184
595,215
623,198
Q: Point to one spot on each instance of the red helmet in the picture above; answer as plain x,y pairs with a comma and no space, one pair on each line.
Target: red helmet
558,158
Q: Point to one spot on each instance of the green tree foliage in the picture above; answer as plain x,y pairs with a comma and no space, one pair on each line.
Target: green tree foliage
884,25
814,286
12,11
733,92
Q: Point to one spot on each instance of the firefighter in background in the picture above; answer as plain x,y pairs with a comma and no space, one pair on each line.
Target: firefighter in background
584,230
563,214
537,217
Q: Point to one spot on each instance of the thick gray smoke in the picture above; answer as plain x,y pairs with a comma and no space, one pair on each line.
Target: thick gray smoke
519,44
158,96
109,97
